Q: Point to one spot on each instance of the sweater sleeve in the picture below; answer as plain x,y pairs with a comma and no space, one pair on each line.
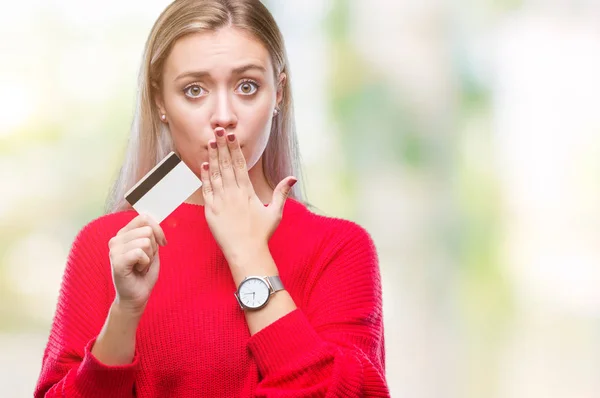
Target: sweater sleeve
334,346
68,367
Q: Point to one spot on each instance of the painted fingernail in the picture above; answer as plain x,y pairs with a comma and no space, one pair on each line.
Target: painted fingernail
213,144
205,166
220,133
292,182
231,137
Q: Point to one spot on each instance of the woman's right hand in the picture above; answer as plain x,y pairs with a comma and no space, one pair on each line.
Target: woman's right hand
135,262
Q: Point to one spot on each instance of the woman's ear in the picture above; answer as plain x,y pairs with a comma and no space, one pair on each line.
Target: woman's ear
158,99
280,86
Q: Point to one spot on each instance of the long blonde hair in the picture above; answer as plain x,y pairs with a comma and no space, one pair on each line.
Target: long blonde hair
150,140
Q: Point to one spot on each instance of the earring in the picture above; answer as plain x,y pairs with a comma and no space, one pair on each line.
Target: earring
163,117
275,111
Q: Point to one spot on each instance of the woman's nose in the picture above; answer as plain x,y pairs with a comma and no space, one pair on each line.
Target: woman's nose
223,112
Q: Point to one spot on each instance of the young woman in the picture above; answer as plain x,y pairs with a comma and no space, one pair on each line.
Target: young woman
253,295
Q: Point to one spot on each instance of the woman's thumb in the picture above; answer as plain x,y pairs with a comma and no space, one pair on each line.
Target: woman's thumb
281,192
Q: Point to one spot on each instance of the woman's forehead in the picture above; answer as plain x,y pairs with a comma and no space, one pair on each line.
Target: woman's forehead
225,51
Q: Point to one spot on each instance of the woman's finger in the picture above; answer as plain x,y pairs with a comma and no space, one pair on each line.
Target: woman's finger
207,191
238,162
224,159
143,243
216,179
280,195
138,258
159,234
145,220
141,232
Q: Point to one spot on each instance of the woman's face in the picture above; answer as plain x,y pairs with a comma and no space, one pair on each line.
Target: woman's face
218,79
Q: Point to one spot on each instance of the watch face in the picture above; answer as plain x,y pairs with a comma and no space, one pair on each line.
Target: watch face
254,292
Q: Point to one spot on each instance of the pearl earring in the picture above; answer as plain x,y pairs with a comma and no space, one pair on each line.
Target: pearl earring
163,117
275,111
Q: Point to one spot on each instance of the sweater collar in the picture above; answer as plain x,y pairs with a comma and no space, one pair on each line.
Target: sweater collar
194,212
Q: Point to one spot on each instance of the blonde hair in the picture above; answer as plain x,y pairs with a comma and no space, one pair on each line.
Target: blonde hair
150,140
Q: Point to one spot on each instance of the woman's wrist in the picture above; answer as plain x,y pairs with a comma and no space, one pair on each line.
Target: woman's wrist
252,261
127,309
115,345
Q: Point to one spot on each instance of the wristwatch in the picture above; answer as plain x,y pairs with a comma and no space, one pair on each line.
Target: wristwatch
254,291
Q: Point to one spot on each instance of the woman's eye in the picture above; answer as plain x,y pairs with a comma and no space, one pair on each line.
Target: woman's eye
193,91
248,88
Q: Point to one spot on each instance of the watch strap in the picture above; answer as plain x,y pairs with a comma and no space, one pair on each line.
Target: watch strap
276,283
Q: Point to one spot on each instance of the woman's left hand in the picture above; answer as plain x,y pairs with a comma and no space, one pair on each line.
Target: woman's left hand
238,220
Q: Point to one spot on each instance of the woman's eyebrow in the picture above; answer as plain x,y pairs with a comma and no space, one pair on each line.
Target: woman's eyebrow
199,74
248,67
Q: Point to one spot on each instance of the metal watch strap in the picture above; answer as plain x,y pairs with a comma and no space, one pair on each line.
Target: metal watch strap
275,282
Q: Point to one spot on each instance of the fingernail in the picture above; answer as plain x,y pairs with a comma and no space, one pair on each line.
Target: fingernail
213,144
292,182
220,132
231,137
205,166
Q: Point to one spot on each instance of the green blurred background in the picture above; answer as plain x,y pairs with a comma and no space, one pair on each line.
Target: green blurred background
463,135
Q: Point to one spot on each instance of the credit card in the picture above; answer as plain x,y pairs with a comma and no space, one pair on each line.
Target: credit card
164,188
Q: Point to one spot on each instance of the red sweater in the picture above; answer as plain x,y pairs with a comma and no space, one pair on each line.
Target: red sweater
193,339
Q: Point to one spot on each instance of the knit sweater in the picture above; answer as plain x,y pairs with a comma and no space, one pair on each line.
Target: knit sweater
193,339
